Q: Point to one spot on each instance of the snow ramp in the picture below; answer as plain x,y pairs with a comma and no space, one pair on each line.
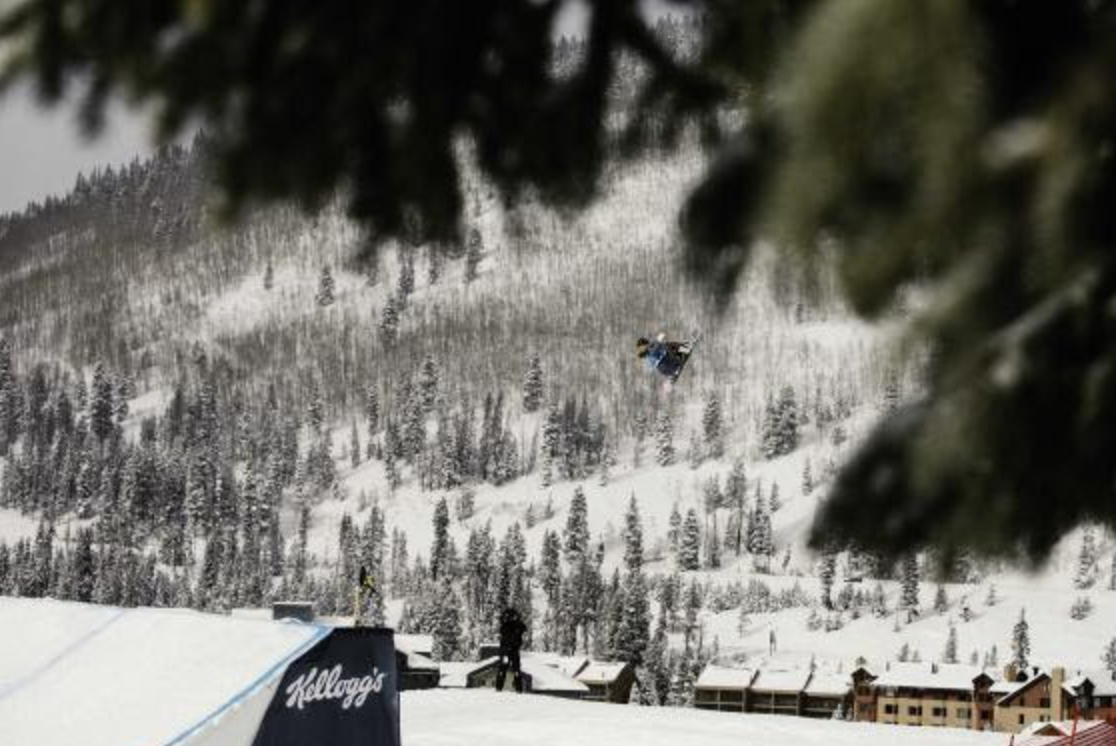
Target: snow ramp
74,673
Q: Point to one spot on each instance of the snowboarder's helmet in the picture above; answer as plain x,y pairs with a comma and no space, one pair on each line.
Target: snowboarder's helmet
641,346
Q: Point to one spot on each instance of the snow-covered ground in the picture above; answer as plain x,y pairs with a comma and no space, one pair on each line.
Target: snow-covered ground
75,673
99,676
470,717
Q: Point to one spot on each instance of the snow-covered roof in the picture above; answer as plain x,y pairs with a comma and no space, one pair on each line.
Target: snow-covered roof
422,644
1104,681
571,665
418,662
828,684
455,674
789,680
719,677
1061,733
601,672
950,677
545,678
1015,687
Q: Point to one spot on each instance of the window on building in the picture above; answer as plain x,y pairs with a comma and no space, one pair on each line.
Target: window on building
964,712
891,709
914,710
938,712
1044,702
1022,719
985,714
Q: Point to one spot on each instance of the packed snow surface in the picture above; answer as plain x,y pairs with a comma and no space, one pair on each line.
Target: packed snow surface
470,717
101,676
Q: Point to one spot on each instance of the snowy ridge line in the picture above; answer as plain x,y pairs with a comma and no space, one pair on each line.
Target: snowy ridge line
18,684
247,691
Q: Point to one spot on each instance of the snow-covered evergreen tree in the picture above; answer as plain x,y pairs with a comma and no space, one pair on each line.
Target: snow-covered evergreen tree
735,498
100,403
440,549
474,252
664,439
774,501
941,601
325,295
910,576
447,622
428,381
689,544
576,537
389,322
807,478
1109,657
1021,642
1087,564
533,385
827,572
788,420
713,427
674,532
1081,608
354,446
633,636
949,655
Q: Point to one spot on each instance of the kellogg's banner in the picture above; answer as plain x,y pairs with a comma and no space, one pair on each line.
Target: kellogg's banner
342,692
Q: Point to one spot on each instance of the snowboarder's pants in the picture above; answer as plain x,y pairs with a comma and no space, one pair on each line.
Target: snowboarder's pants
509,659
671,364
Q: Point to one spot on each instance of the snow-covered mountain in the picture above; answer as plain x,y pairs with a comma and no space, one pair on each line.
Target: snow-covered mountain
238,368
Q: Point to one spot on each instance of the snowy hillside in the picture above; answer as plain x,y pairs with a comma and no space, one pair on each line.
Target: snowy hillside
218,419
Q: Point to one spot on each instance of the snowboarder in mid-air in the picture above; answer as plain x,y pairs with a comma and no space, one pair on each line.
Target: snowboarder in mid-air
512,630
665,358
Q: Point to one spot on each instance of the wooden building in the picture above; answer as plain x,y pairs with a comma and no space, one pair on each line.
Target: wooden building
607,681
932,694
723,689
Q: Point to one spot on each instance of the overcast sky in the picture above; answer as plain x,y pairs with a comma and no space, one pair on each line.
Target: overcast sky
42,150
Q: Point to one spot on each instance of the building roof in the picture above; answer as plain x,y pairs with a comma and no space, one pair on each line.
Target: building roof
829,684
455,674
421,644
571,665
719,677
785,681
601,672
1089,733
416,662
545,678
1016,688
950,677
1103,680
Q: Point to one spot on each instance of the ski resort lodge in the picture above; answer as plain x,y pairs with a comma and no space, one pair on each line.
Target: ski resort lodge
915,694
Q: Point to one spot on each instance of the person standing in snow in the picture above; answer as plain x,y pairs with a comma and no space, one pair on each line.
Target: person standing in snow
512,630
